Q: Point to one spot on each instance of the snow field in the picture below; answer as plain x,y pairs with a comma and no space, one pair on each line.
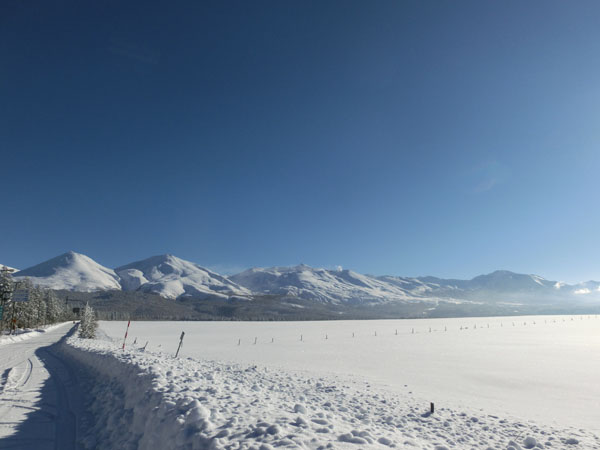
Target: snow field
146,400
543,368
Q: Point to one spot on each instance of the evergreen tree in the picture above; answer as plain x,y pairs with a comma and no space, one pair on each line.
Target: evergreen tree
89,324
25,311
6,290
38,307
54,309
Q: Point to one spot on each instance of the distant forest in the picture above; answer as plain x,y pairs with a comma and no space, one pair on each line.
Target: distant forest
125,305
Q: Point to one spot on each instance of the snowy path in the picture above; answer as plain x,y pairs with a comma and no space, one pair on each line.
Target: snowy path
39,401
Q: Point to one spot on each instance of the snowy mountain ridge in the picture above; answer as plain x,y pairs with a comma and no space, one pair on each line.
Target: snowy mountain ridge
329,286
172,277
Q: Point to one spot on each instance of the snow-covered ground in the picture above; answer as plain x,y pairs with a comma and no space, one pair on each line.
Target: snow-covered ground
328,390
38,399
542,368
148,400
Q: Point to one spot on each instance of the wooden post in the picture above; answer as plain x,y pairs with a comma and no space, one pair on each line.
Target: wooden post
255,341
432,407
126,331
239,341
180,342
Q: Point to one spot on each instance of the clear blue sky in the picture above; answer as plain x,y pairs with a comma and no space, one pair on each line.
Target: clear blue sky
389,137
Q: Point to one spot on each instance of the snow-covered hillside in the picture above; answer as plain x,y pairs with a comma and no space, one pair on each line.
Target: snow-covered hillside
72,271
172,277
10,269
345,286
331,286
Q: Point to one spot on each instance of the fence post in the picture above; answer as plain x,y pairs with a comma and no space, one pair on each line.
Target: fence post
180,342
126,331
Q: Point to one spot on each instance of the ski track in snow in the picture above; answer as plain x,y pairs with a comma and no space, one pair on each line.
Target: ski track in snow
192,403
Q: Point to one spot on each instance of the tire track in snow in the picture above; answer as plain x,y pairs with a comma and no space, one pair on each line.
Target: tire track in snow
67,399
38,395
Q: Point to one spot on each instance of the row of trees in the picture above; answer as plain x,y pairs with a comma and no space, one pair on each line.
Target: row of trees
42,308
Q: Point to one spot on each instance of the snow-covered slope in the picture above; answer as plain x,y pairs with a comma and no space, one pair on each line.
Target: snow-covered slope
329,286
10,269
344,286
172,277
71,271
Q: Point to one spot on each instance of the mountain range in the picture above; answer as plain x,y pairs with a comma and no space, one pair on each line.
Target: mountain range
174,278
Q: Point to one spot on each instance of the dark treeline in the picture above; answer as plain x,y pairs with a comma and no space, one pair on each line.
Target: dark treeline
121,305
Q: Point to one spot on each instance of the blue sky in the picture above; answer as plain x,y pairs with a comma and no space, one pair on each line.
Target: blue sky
404,138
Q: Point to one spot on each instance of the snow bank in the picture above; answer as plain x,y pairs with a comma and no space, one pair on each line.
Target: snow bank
23,335
150,400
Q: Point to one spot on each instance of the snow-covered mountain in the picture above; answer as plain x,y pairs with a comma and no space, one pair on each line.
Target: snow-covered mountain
71,271
172,277
329,286
498,283
332,286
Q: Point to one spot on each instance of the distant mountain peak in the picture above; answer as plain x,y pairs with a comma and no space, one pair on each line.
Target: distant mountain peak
173,277
72,271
